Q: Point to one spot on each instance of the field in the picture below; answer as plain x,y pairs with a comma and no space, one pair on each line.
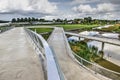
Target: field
73,26
76,26
115,28
41,30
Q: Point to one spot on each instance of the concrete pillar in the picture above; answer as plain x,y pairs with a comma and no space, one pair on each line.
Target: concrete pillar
102,48
79,38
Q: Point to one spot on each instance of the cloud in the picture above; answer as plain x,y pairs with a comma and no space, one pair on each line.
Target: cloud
116,2
100,8
27,6
84,1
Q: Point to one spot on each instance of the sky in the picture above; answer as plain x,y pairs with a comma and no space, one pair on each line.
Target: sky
53,9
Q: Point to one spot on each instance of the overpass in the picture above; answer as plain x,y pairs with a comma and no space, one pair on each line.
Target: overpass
53,61
103,40
71,69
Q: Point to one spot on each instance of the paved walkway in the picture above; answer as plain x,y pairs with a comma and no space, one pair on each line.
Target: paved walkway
70,68
18,60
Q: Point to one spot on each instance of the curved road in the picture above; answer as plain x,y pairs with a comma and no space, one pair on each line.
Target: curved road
18,59
71,70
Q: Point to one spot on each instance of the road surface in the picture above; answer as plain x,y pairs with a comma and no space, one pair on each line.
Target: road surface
70,68
18,59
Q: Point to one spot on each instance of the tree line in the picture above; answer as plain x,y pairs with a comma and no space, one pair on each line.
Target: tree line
29,19
85,20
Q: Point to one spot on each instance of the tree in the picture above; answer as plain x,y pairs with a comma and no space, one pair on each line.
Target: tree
89,20
42,20
58,20
25,19
13,20
21,20
33,19
29,19
65,20
18,19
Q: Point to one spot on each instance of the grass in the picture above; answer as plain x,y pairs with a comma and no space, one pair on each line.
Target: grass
42,30
76,26
115,28
73,26
82,50
109,65
46,31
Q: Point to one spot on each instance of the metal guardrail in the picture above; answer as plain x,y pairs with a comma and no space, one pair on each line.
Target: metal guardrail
62,76
3,29
105,40
52,66
98,69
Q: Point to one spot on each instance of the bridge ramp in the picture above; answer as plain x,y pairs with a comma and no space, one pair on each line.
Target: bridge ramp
18,59
70,68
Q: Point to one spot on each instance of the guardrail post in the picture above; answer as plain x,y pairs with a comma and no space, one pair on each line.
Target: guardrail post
79,38
102,46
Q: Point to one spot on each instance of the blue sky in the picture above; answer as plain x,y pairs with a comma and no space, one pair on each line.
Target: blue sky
70,9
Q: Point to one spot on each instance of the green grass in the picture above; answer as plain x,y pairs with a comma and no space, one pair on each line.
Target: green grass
115,28
76,26
47,31
108,65
82,50
73,26
41,30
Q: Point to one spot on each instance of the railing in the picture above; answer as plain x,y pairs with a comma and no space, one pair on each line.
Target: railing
98,69
89,65
62,76
67,46
51,64
3,29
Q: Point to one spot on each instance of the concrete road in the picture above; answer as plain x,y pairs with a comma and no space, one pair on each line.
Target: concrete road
70,68
18,60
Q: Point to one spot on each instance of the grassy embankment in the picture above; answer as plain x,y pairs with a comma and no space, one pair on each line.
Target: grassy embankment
115,28
77,26
65,26
90,54
46,31
72,26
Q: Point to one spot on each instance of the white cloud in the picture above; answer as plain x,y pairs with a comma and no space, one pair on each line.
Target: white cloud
84,9
34,6
100,11
100,8
105,7
83,1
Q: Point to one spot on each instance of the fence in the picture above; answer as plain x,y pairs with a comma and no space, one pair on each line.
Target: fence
3,29
52,67
98,69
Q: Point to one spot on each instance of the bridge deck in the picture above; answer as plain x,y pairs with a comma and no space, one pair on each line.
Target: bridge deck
18,60
106,40
70,68
111,47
